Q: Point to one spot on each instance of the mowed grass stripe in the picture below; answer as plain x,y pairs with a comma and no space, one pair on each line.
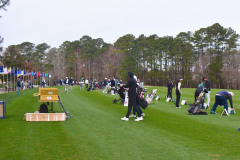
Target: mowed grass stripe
108,130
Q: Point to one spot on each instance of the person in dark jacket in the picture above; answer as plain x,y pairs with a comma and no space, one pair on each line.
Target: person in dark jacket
105,82
198,90
113,83
221,99
132,95
178,92
170,87
18,85
138,94
71,82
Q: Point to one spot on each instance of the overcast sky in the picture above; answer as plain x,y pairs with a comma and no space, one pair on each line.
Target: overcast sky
56,21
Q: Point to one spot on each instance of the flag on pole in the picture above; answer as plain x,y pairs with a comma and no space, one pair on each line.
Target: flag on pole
19,72
16,72
12,71
1,69
9,70
25,72
5,71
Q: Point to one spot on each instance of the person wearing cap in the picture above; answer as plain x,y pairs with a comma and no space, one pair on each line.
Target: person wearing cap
132,95
221,99
138,94
198,90
178,92
66,82
208,87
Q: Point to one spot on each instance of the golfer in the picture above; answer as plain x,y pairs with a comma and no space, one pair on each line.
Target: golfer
170,87
221,99
132,94
207,85
178,92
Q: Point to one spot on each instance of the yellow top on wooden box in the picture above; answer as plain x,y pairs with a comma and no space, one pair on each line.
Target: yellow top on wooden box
48,95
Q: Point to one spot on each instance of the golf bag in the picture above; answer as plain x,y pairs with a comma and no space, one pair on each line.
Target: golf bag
195,109
43,108
150,97
142,102
91,87
121,94
142,92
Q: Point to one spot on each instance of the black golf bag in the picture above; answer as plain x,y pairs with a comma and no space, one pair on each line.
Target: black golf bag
91,87
43,108
195,109
142,102
121,94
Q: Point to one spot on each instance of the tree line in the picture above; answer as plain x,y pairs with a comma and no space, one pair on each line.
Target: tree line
210,51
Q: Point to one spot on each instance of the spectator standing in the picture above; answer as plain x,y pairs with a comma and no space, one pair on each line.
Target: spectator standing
43,83
22,84
66,82
71,82
18,85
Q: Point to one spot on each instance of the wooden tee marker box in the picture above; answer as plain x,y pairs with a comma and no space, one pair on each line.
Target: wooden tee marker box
2,109
45,117
48,95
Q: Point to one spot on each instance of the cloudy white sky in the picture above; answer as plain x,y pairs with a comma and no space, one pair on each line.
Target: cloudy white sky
55,21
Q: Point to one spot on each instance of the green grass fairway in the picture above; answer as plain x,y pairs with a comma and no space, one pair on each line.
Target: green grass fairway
96,132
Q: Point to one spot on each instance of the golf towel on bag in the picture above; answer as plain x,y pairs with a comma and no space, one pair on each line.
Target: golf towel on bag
142,102
126,99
